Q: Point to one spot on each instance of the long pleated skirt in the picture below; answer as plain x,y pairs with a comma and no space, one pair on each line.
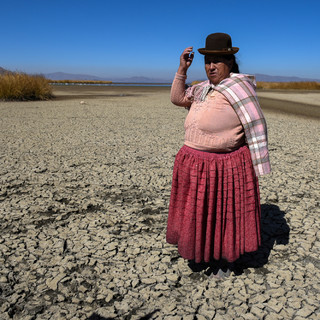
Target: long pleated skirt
214,210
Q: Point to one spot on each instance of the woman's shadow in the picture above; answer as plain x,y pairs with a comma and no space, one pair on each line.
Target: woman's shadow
274,230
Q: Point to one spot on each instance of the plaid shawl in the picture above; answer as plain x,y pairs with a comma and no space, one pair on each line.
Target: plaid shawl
239,89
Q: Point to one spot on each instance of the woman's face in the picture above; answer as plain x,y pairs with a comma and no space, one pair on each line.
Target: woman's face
217,68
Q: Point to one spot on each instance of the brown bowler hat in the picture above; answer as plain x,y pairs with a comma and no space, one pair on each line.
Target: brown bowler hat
218,43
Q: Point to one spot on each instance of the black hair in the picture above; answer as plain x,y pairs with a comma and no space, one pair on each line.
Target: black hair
235,66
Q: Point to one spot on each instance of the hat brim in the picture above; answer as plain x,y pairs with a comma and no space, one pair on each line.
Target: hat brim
232,50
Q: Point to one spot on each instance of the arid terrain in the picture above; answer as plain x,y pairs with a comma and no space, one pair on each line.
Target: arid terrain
85,184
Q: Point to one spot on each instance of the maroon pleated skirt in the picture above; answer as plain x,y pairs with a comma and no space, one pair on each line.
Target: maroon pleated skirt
214,210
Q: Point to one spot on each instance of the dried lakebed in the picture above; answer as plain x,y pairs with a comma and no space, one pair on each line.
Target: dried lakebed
83,206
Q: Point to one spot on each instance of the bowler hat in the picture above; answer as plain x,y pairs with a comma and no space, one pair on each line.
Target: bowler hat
218,43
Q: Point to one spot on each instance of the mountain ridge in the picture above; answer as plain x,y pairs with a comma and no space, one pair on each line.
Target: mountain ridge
135,79
140,79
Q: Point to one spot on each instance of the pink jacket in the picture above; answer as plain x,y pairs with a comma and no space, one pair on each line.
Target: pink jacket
239,89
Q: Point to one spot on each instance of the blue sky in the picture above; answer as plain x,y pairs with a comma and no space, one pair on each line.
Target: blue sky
145,38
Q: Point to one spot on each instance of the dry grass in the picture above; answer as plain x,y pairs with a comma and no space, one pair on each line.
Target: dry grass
195,82
303,85
80,82
16,86
289,85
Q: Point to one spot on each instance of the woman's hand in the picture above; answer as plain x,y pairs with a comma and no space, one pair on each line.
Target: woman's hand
185,60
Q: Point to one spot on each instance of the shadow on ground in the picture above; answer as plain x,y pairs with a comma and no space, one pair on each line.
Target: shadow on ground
95,316
274,230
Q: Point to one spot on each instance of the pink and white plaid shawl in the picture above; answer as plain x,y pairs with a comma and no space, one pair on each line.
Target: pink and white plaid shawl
239,89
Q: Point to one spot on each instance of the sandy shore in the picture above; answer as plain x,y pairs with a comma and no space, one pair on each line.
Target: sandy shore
303,103
304,97
85,185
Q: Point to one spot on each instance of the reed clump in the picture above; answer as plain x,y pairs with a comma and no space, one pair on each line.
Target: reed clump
16,86
79,82
303,85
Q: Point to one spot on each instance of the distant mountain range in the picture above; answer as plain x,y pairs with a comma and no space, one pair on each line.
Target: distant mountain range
2,71
264,77
69,76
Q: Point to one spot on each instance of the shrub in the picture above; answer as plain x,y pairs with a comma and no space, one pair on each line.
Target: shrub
16,86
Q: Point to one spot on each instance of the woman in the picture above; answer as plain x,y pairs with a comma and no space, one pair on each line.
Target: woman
214,211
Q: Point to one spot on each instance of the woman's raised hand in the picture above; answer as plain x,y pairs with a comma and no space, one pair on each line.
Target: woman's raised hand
185,60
